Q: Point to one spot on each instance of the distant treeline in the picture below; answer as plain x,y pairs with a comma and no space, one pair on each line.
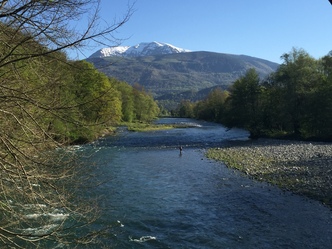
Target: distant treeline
294,102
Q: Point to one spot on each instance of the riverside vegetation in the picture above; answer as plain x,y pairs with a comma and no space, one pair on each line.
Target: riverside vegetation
293,103
48,102
142,127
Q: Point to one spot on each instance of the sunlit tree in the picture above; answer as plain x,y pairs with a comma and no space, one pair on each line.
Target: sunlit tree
96,96
145,108
127,100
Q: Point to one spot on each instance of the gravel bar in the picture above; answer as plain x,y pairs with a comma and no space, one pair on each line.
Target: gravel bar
304,168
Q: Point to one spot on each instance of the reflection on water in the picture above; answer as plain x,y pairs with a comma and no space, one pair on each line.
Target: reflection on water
161,199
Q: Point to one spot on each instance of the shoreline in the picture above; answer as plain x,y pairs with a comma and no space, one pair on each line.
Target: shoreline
302,167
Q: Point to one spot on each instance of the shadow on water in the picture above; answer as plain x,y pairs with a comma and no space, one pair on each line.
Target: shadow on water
160,198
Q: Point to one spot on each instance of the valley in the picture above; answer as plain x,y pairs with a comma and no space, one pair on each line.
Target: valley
177,75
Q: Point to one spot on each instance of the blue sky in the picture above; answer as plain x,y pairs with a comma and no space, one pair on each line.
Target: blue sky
259,28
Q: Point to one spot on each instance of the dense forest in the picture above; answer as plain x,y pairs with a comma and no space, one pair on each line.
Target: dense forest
72,101
293,102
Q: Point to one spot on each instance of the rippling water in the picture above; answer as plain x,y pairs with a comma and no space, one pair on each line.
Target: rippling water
159,198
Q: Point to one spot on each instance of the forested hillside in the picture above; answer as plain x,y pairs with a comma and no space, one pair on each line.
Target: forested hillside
69,101
169,76
295,101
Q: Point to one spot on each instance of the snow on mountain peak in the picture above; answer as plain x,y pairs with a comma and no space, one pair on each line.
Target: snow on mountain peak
141,49
112,51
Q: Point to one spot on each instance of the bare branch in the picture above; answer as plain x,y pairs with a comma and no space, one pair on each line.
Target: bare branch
53,24
38,177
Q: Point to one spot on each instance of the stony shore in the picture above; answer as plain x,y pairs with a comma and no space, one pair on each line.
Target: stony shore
304,168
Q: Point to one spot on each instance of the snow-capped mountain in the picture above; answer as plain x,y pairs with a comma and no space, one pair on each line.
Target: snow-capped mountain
141,49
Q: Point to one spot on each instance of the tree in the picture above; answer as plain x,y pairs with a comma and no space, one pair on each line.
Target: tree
319,118
37,106
97,97
127,100
146,109
273,106
212,107
185,109
296,98
244,103
297,77
293,101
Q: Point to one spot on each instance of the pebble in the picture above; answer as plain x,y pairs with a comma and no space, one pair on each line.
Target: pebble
302,167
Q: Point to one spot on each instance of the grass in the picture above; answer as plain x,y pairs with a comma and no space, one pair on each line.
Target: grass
146,127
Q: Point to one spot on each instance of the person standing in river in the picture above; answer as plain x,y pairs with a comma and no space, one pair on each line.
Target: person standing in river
180,148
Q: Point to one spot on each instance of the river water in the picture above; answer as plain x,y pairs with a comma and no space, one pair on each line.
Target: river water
156,197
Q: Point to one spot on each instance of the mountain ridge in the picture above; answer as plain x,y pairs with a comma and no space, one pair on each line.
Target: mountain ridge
169,77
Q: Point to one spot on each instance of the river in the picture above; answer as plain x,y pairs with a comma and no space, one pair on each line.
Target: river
157,197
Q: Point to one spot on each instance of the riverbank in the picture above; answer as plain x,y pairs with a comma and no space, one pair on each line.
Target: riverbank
304,168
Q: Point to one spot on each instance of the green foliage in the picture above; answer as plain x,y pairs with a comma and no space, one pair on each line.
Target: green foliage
318,118
185,109
146,109
297,78
137,105
98,99
89,102
244,102
213,107
295,101
127,100
72,102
